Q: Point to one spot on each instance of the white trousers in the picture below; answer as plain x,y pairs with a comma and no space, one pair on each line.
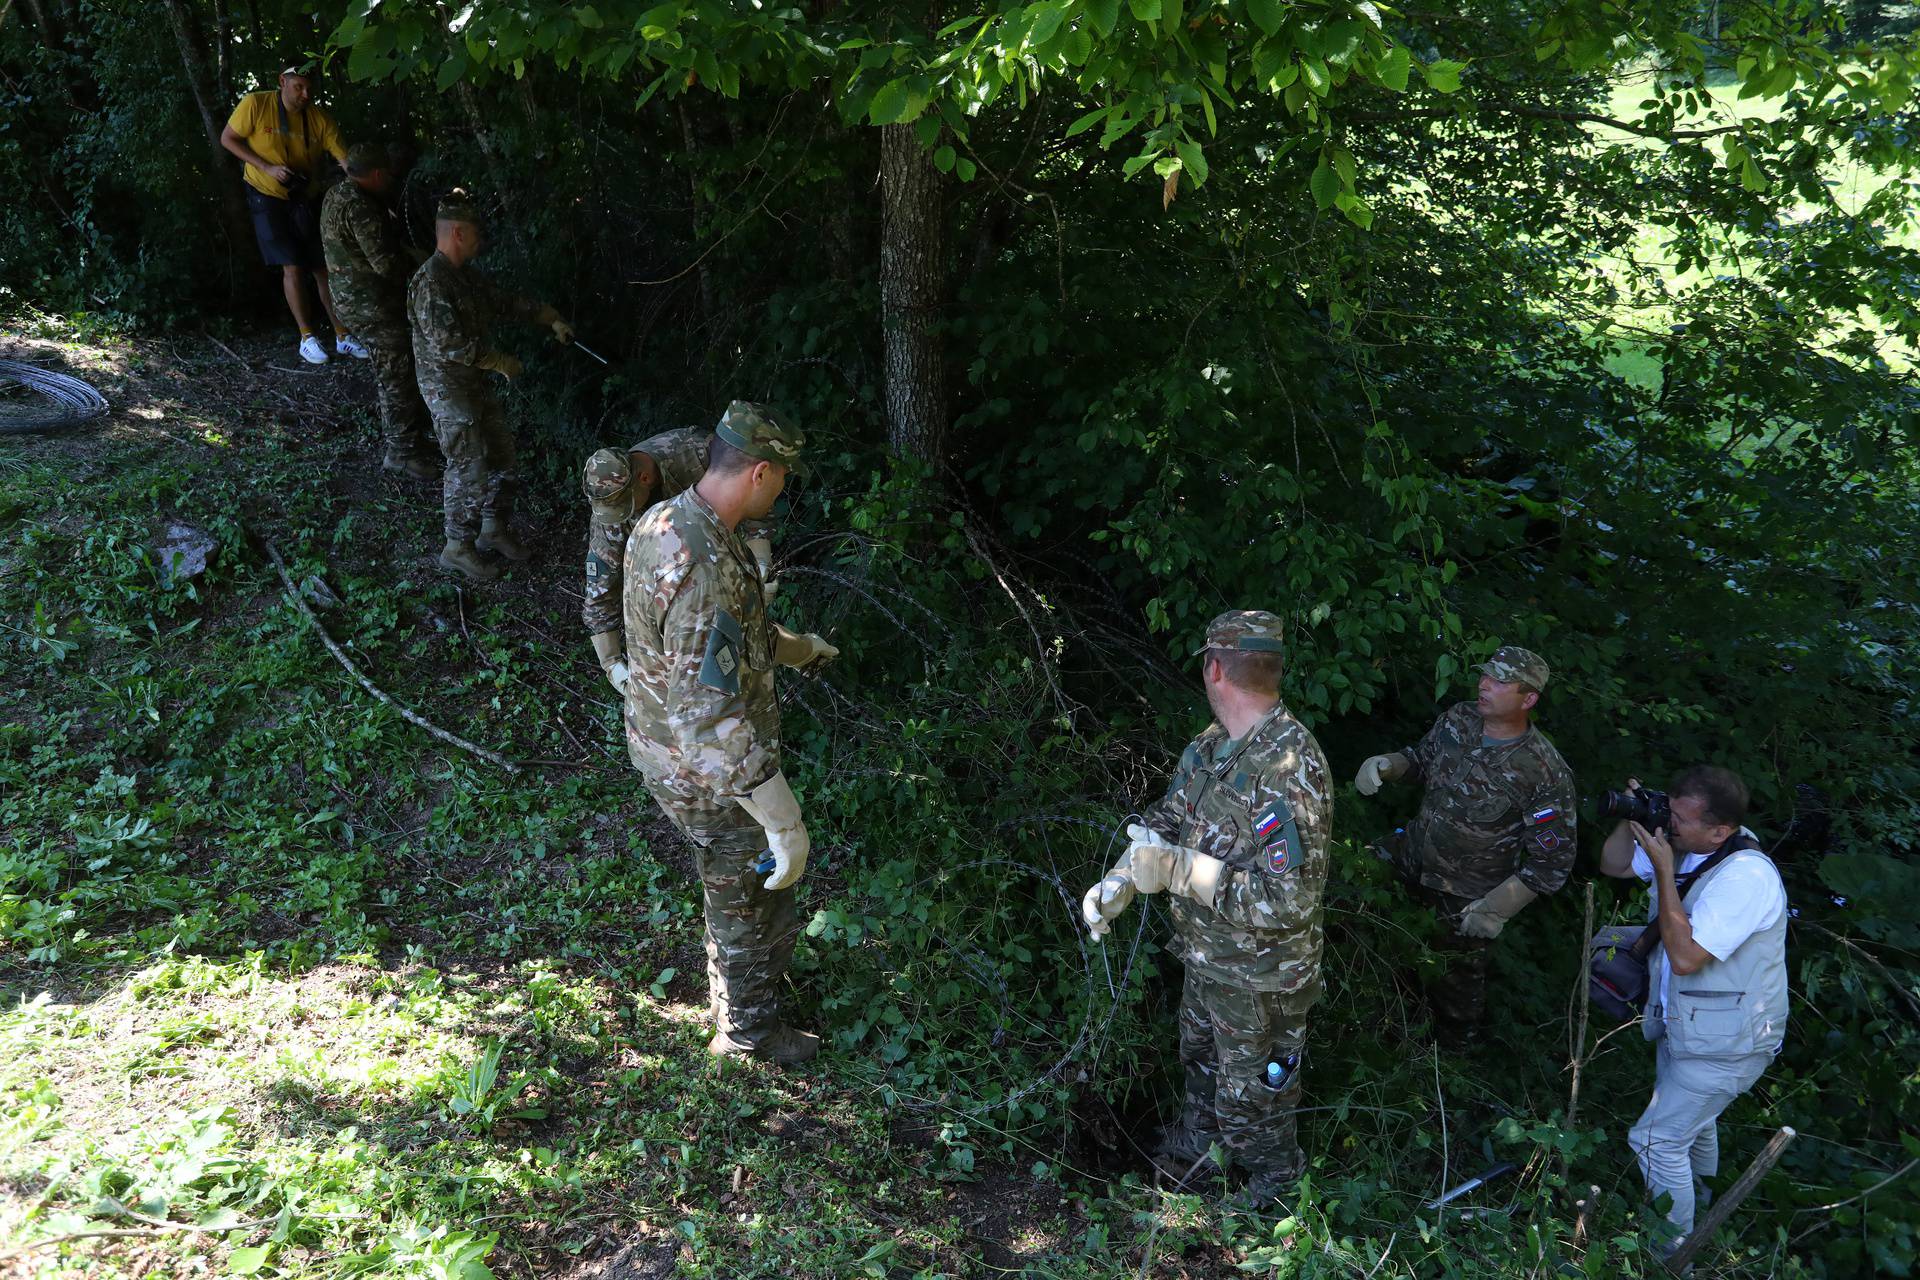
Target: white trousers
1677,1137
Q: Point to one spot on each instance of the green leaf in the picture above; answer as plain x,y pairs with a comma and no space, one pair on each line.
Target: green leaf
589,17
1105,15
1194,158
248,1261
964,169
1394,68
1355,208
1444,76
1145,10
1324,184
889,106
450,71
1315,71
1046,20
943,159
1268,15
1342,164
1088,120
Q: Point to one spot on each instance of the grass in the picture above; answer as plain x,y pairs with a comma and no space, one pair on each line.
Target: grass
1649,257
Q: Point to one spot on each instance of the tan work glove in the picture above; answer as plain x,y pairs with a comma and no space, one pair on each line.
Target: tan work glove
762,550
610,648
1379,769
1101,905
551,318
771,804
508,367
1486,916
1162,867
792,649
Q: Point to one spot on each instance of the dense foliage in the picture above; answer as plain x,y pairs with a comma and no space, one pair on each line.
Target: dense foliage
1590,331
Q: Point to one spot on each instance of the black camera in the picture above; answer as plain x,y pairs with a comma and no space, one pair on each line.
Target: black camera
1651,809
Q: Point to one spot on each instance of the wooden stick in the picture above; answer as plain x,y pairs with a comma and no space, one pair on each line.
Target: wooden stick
1578,1048
1680,1259
340,656
1583,1213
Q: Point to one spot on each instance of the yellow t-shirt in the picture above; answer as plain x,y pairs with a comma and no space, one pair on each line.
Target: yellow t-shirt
309,132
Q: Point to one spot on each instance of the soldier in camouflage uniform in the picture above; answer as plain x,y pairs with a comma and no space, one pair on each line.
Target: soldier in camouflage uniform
620,486
1495,828
454,309
1241,842
703,722
369,263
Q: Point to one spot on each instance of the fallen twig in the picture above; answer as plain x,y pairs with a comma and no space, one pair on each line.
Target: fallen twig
340,656
1578,1049
158,1229
1681,1258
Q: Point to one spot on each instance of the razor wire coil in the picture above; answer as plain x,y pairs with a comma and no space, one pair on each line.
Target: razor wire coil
33,398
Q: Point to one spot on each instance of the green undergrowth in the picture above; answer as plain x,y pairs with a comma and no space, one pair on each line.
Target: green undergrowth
293,989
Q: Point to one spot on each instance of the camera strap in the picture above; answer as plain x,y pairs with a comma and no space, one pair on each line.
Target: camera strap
1738,842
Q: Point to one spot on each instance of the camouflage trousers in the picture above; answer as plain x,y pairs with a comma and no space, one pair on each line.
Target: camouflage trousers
479,482
403,414
1457,996
1228,1035
750,932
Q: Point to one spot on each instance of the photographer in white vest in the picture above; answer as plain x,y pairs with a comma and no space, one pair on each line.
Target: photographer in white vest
1717,989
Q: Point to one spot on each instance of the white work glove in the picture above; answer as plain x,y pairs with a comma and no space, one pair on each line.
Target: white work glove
792,649
1160,867
1486,916
1379,769
771,804
609,648
1102,904
762,550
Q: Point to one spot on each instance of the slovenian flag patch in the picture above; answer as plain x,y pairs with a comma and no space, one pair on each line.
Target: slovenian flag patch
1275,831
1545,815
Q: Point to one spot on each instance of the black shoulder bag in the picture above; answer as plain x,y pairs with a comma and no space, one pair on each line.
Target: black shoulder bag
1617,978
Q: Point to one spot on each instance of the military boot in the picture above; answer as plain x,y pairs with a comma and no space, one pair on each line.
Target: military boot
787,1046
463,559
417,467
1183,1156
496,537
1265,1195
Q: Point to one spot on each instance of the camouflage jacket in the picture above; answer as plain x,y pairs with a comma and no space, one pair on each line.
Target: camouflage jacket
1264,806
681,455
454,311
367,261
703,723
1490,811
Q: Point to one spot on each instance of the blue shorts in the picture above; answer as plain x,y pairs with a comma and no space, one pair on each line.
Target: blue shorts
288,231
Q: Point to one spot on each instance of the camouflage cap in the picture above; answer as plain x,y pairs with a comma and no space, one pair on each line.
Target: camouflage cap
458,206
1255,630
1510,664
364,157
607,481
759,432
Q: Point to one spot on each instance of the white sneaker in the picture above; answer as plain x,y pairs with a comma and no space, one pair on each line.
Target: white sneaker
311,351
350,346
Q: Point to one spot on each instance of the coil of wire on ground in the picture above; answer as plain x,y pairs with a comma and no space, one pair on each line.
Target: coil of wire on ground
37,399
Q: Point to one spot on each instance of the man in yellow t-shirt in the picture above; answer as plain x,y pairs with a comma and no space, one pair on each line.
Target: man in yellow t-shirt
280,135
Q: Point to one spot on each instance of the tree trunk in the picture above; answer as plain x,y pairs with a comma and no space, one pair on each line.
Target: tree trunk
223,49
213,114
702,278
912,279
